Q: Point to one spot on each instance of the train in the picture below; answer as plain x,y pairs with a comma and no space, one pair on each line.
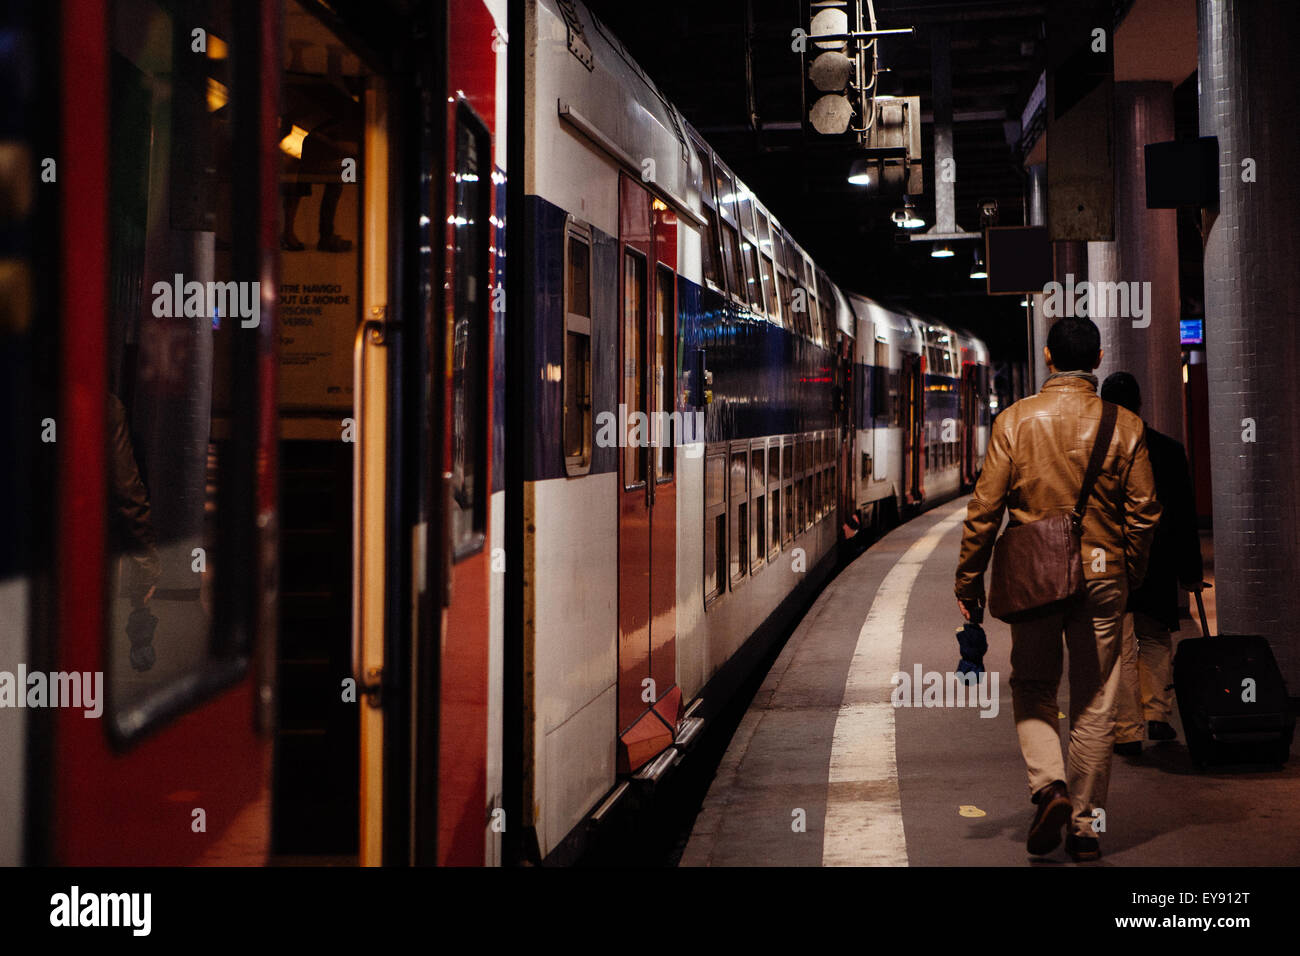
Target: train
423,430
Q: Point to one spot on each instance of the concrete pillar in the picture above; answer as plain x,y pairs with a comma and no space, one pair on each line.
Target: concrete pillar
1250,100
1036,205
1069,257
1145,250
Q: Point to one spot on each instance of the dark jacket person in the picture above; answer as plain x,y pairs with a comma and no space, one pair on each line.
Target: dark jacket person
1146,682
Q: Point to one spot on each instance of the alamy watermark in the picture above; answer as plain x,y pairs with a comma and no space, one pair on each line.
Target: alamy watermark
74,689
1098,300
193,300
933,689
650,430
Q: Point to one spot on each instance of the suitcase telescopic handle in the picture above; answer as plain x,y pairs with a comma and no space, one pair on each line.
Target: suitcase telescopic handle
1200,606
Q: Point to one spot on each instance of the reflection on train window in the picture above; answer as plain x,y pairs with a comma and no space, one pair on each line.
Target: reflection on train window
753,289
634,350
174,309
577,354
727,227
738,497
807,495
753,294
709,248
769,272
665,375
731,260
469,378
715,524
774,493
787,476
758,488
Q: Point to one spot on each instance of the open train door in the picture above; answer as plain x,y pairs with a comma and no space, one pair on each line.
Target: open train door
649,700
913,389
161,591
844,395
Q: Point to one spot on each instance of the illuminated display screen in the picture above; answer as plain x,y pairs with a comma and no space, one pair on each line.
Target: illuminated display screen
1191,331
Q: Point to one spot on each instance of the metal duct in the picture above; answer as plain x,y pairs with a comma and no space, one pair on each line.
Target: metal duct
1036,208
1248,84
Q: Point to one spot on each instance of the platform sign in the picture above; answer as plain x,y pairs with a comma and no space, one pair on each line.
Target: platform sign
1019,260
1191,331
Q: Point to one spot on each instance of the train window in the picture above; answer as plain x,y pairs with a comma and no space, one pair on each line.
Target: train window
813,321
807,496
173,403
710,242
880,398
469,378
577,352
774,495
715,524
723,193
758,495
665,376
634,351
819,476
800,484
738,518
787,290
787,478
731,261
766,252
753,295
711,250
895,398
826,295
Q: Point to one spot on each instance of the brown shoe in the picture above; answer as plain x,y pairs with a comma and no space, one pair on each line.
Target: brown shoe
1053,813
1082,849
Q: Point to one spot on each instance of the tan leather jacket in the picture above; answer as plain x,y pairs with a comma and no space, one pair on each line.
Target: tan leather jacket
1038,451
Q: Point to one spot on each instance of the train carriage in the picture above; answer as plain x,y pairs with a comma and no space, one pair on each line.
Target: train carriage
536,431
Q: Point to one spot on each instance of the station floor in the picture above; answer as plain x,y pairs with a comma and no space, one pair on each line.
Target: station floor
824,770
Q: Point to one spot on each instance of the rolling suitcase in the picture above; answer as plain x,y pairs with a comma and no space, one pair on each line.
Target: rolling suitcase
1232,699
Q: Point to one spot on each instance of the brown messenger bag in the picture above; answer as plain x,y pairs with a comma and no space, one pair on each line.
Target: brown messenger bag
1038,566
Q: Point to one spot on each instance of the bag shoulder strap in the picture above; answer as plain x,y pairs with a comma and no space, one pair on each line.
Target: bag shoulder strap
1099,447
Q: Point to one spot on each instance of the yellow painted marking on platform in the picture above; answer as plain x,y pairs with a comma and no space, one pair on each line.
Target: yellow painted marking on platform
967,810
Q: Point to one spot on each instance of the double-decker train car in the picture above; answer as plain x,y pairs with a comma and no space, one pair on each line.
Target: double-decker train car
922,411
656,565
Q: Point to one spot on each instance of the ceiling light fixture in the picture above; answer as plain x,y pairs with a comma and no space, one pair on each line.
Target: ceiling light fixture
905,217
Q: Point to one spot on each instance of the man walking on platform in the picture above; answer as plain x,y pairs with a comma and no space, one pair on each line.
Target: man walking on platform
1039,451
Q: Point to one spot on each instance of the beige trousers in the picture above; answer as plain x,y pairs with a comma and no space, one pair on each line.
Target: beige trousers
1146,681
1092,629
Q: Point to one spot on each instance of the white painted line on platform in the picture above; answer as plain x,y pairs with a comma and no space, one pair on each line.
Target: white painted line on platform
864,814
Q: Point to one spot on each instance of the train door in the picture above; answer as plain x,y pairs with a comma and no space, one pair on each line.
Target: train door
846,415
648,699
969,399
332,204
913,375
163,580
467,423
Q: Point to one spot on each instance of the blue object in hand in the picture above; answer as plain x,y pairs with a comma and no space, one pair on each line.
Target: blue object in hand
973,645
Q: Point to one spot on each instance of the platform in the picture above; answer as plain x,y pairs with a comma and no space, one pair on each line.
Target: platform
943,786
